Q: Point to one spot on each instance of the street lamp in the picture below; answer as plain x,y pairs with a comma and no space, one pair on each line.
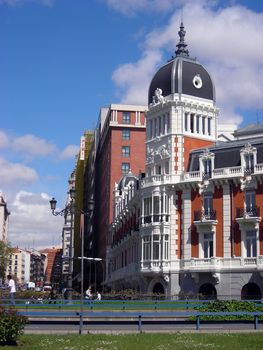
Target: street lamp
69,209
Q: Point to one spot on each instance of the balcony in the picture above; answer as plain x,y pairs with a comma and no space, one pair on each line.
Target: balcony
216,263
222,173
157,266
155,219
156,180
248,218
204,215
205,220
244,213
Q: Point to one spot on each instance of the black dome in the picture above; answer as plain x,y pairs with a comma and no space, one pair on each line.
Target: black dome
126,180
182,75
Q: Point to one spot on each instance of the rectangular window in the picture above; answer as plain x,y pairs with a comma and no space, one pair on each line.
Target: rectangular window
163,124
209,126
198,124
166,167
156,208
208,245
151,129
159,126
156,247
185,121
207,164
168,123
158,170
208,206
126,134
192,123
126,117
166,247
249,163
125,168
147,248
250,203
147,210
251,244
203,125
125,151
154,127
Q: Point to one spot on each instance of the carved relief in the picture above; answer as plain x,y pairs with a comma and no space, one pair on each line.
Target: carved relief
158,97
164,151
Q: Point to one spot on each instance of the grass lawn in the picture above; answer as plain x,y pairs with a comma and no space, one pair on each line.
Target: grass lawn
143,341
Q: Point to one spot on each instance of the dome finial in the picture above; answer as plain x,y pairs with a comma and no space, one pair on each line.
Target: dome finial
182,46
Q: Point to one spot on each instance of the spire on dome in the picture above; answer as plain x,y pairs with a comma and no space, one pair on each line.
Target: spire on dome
182,46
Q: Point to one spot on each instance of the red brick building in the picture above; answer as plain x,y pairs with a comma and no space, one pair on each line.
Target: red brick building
120,149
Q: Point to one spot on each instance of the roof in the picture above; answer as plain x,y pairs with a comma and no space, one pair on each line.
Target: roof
182,75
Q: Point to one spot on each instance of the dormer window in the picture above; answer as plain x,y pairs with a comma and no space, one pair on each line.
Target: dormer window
248,156
249,163
206,164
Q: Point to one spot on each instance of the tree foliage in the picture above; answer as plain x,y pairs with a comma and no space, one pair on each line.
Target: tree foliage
5,251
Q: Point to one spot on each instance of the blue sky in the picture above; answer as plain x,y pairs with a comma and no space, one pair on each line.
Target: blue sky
62,60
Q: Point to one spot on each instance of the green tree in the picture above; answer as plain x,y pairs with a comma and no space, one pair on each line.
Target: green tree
5,251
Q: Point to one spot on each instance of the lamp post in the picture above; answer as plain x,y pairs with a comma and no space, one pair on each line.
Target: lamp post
69,209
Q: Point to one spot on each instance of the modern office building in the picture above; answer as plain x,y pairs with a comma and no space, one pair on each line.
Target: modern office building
193,224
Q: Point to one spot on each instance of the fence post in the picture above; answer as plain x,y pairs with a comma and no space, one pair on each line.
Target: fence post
197,322
140,324
256,322
123,305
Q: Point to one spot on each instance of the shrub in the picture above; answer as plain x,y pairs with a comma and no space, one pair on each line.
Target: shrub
228,306
11,325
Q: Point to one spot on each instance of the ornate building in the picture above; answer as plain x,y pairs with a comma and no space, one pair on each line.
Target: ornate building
192,223
4,216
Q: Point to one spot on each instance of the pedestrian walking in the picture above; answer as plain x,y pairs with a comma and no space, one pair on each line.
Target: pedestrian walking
98,296
88,293
12,289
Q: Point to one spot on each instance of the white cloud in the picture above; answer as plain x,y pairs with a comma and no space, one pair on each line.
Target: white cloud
132,79
131,7
31,223
22,2
33,146
228,42
69,152
4,140
16,174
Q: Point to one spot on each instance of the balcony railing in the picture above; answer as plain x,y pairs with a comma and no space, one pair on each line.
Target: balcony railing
227,172
203,215
250,212
201,264
206,176
155,218
248,171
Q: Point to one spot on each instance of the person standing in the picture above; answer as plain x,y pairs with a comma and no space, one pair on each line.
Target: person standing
88,294
12,289
98,296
